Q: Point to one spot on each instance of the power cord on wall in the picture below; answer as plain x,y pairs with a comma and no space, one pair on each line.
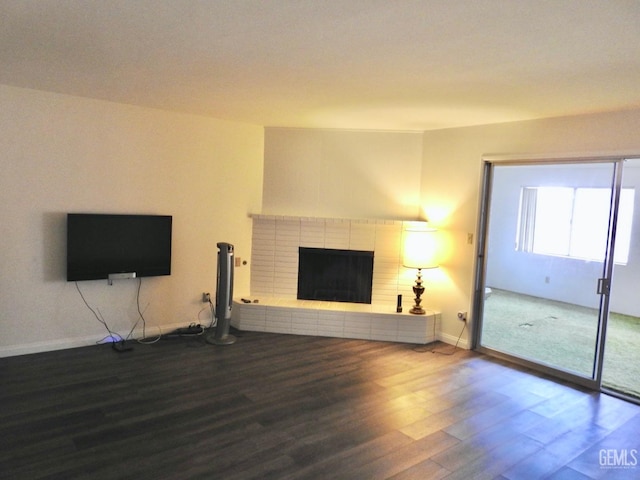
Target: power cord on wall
214,320
144,339
116,339
440,352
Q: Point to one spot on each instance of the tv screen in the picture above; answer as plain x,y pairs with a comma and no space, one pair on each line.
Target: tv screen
99,245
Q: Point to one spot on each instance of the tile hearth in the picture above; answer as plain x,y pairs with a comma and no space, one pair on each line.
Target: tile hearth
335,319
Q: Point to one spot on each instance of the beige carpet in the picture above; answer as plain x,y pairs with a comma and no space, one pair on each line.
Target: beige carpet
563,336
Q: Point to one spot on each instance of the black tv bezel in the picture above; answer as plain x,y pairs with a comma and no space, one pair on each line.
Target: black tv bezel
75,273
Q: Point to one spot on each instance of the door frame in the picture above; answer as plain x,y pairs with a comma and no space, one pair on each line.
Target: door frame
489,162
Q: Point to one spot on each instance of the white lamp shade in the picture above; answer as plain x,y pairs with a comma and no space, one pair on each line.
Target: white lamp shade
420,248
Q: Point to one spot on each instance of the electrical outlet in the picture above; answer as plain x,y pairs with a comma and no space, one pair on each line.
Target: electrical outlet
462,316
206,297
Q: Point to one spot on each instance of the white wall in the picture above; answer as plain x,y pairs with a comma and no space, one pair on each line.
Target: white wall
62,154
451,178
342,173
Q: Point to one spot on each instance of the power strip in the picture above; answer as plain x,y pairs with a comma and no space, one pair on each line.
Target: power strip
121,346
190,330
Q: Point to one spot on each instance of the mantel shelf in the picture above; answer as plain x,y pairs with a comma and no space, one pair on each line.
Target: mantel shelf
369,221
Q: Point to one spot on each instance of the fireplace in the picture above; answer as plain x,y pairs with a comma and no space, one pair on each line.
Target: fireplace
335,275
276,241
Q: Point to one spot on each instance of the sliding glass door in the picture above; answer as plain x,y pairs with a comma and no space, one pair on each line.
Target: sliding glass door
545,265
621,366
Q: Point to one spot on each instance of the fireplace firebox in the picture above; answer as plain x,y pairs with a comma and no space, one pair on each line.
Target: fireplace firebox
335,275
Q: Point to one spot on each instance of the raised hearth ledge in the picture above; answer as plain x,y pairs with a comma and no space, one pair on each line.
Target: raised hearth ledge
334,319
331,306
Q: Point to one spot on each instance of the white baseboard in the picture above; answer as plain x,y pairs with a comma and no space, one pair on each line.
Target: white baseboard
48,346
65,343
62,344
452,340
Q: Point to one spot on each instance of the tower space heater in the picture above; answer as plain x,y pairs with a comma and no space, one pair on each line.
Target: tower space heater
224,296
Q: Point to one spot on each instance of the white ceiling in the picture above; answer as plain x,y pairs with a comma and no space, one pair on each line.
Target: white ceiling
366,64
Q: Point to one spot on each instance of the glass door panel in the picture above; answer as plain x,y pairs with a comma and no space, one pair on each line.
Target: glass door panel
546,242
621,367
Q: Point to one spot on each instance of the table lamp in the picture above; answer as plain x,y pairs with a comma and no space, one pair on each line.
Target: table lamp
419,252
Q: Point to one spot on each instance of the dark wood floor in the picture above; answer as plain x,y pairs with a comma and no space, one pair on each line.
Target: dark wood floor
294,407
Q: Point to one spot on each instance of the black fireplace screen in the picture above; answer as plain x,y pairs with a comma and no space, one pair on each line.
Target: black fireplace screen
335,275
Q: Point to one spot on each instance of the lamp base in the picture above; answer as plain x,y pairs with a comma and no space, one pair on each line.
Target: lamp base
418,290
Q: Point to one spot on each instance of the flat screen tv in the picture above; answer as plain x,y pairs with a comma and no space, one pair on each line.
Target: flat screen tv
105,246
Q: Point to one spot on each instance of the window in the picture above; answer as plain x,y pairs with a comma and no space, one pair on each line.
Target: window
573,222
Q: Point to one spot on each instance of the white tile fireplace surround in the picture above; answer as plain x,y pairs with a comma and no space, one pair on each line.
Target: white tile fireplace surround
274,281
